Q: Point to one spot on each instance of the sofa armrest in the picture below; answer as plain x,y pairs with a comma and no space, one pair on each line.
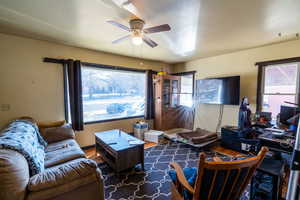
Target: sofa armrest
65,174
55,134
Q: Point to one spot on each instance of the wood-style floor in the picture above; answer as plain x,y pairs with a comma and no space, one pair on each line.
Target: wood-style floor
91,152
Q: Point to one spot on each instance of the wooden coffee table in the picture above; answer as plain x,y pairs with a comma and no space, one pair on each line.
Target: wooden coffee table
119,149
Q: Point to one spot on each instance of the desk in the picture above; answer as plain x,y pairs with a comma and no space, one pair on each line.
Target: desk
283,144
232,138
275,170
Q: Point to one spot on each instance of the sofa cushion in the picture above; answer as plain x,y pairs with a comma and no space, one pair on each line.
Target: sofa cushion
63,151
62,182
14,175
62,174
55,134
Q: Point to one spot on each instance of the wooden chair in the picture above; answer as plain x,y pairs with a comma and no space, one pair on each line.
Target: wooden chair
217,180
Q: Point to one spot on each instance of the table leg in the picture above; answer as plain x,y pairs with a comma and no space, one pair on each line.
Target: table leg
142,158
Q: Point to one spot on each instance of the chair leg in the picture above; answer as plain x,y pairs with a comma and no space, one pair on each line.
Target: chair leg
251,188
175,195
275,188
281,178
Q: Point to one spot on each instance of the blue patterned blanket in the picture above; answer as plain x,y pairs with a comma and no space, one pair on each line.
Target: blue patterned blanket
24,137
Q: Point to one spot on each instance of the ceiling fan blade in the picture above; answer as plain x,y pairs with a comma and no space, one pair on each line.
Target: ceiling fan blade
155,29
121,39
150,42
118,25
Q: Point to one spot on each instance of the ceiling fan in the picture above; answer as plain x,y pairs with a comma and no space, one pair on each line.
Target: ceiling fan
138,32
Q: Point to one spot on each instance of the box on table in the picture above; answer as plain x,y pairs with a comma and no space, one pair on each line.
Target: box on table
153,136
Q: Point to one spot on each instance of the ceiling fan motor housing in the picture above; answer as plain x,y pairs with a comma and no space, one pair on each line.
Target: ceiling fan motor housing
136,24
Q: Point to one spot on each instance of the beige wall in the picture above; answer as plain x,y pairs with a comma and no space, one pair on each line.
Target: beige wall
238,63
33,88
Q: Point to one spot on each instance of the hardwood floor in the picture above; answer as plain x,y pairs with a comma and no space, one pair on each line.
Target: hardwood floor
149,144
91,152
225,151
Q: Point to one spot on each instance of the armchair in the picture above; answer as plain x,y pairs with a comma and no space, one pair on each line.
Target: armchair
216,179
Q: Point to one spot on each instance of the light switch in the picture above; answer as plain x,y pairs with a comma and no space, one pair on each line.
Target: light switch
5,107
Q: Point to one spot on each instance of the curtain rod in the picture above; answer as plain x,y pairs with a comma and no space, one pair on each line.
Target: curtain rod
276,62
54,60
63,61
113,67
185,73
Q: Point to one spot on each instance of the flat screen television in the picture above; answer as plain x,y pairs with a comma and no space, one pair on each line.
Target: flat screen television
224,90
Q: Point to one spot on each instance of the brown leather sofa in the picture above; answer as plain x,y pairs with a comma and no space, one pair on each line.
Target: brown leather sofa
68,174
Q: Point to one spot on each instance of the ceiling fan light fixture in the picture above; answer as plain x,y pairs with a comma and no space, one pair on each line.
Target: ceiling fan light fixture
137,31
137,40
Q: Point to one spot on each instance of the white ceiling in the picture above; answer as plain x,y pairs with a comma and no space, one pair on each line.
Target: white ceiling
200,28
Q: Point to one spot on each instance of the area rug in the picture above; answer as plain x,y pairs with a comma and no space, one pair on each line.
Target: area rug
154,182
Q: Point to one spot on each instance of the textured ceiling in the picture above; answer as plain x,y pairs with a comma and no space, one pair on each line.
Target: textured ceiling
199,28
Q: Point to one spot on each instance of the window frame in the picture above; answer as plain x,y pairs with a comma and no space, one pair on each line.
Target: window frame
117,68
261,80
184,74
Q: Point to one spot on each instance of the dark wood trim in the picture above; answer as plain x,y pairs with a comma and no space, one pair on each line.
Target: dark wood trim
109,120
88,147
259,89
65,79
194,84
276,62
260,75
112,67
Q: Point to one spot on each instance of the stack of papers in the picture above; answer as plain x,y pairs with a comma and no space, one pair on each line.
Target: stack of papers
133,142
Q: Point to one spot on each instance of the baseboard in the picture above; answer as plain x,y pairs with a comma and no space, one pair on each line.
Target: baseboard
88,147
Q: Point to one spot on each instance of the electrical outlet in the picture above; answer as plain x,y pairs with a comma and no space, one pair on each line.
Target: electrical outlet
5,107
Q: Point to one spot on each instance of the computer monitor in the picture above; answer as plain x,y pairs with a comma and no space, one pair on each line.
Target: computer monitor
286,112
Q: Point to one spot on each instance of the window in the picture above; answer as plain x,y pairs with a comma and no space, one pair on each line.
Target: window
280,84
186,88
110,93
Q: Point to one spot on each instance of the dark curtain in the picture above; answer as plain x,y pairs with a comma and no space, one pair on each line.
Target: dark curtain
259,89
66,92
149,109
75,93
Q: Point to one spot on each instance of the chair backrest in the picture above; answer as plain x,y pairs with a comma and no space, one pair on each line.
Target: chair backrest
225,180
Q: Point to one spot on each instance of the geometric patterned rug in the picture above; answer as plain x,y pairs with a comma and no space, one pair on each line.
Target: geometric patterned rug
153,183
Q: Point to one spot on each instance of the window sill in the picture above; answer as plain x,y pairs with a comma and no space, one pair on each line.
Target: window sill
110,120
